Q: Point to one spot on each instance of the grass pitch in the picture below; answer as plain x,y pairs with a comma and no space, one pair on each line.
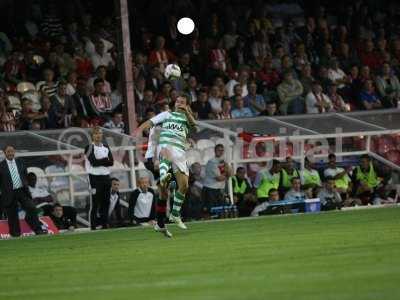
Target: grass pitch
339,255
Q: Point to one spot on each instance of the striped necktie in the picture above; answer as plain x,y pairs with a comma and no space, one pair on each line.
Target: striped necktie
16,179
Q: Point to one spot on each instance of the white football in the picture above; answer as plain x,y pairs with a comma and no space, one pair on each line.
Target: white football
172,71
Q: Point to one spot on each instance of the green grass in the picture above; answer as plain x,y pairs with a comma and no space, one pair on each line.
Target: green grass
339,255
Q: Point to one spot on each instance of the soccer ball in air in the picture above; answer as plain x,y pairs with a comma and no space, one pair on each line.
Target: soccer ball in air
172,72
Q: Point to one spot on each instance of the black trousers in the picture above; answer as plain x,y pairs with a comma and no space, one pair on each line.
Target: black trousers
22,197
100,200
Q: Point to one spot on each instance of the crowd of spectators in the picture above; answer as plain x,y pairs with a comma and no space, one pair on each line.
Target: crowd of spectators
337,185
242,60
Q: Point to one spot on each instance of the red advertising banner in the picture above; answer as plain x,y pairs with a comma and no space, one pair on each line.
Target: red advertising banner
25,229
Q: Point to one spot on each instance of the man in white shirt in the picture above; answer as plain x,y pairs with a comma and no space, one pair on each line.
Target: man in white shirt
336,75
100,57
342,179
316,101
142,204
243,78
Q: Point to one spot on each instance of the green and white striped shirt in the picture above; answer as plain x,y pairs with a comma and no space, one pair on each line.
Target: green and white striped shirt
174,129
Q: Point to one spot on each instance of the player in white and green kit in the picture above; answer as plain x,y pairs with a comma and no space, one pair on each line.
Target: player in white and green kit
175,128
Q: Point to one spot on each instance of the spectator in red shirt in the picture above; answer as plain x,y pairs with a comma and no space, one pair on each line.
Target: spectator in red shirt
7,119
84,67
160,56
369,57
14,69
99,100
268,76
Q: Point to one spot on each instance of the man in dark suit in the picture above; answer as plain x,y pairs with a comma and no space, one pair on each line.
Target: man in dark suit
82,101
14,189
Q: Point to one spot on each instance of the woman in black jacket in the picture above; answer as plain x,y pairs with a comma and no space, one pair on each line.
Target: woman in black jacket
99,159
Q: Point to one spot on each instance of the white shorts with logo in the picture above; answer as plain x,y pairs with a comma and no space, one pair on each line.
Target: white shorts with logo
177,157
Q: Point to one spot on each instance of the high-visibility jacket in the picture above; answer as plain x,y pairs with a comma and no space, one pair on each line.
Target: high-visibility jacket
370,177
287,178
267,183
239,189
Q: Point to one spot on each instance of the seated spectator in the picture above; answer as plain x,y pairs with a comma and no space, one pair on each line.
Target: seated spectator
242,83
271,109
368,56
81,99
240,111
47,87
338,104
28,115
62,220
287,67
220,83
253,100
45,201
14,69
40,195
239,55
33,69
63,106
226,112
265,207
329,197
84,67
116,123
154,79
346,57
388,87
267,179
367,180
100,101
72,81
114,210
51,63
142,204
139,88
145,104
65,61
327,55
193,88
216,175
217,58
242,193
306,78
164,96
268,76
215,100
101,73
295,193
277,58
100,57
160,57
7,118
202,108
342,179
317,101
310,179
49,119
287,173
368,98
336,74
323,78
290,91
